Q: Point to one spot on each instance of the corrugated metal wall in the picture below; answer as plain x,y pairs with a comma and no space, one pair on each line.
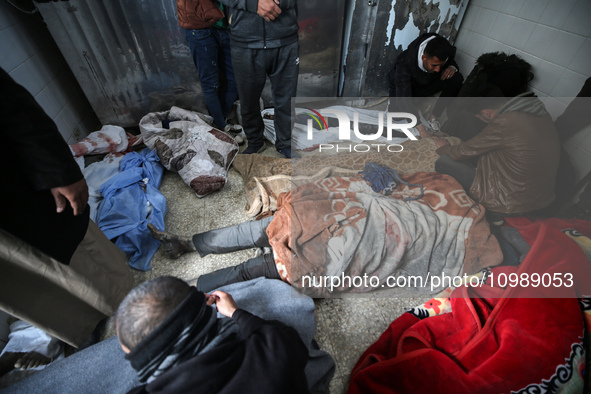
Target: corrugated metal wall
130,57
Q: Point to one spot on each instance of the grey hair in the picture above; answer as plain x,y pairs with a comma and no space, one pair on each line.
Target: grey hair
146,307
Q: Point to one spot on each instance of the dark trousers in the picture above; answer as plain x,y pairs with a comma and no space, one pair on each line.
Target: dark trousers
464,173
282,67
263,265
231,239
461,171
210,49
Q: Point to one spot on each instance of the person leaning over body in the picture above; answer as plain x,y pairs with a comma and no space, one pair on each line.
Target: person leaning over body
517,157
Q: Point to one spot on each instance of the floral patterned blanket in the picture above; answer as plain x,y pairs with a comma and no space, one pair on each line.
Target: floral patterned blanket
339,227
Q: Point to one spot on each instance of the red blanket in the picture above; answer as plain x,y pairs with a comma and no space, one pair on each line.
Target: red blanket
508,340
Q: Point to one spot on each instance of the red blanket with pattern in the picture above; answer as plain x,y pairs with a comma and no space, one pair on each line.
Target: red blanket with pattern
494,340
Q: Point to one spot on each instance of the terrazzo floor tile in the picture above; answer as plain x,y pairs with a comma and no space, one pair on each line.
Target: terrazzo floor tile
352,325
338,385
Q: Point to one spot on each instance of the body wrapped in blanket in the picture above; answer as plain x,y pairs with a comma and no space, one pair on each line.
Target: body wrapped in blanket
496,338
339,226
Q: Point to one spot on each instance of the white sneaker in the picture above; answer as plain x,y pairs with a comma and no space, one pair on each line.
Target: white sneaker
235,130
434,125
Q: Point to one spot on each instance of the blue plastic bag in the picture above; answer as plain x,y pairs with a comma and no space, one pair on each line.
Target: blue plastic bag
131,201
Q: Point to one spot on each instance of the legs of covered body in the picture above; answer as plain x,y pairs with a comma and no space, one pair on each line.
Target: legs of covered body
251,234
263,265
224,240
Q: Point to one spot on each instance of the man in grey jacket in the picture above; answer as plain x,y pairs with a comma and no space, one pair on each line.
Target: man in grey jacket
264,37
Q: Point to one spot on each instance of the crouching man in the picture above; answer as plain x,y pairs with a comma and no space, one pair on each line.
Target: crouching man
176,343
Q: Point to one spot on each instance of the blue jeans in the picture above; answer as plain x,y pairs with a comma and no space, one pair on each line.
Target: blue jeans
210,49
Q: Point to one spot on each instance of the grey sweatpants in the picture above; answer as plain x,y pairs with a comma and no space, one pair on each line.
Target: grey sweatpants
252,68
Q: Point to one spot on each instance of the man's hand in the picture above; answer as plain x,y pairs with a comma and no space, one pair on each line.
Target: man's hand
76,194
423,133
225,303
448,72
268,9
210,299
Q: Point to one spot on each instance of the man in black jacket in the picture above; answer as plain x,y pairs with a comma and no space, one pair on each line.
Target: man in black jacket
44,199
426,67
264,37
175,342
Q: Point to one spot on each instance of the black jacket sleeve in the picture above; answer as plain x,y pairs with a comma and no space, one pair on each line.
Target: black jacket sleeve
32,139
272,346
286,336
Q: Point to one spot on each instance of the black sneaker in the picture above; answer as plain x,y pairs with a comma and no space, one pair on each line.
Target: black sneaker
250,149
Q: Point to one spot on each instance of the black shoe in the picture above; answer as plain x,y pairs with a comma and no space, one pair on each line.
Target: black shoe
250,149
286,152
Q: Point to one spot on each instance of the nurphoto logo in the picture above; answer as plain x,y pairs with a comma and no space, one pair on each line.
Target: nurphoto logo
401,121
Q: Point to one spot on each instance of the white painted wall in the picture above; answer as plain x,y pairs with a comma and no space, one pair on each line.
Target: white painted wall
30,56
554,36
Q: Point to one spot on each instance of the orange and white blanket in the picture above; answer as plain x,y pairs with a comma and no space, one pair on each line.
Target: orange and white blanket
339,226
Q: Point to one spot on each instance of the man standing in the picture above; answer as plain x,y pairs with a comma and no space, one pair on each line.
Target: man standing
206,30
44,213
45,198
264,37
426,67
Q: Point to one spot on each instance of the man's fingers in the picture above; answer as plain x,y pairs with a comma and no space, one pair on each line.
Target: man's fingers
77,207
78,202
76,194
268,9
60,202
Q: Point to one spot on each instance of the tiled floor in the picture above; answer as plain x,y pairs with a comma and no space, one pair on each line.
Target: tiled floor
346,327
